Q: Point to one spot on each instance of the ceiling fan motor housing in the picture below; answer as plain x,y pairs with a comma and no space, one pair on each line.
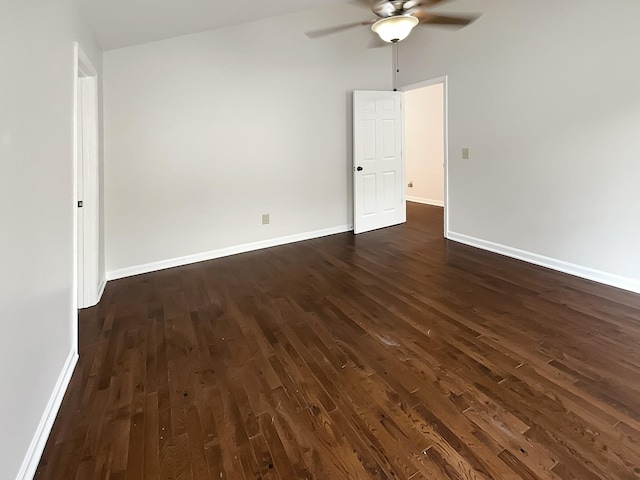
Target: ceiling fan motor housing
396,18
388,8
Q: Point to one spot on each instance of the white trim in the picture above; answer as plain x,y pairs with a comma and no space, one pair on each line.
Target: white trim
224,252
444,80
426,83
39,441
625,283
426,201
103,284
445,86
403,156
85,66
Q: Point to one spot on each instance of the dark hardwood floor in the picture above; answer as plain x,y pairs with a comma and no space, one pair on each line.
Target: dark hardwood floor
393,355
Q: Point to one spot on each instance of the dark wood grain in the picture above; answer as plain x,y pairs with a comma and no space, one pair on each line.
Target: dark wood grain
392,355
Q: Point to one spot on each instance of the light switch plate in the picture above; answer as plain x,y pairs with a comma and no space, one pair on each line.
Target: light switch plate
465,154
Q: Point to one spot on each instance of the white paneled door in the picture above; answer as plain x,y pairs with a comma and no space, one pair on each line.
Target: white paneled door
378,162
88,182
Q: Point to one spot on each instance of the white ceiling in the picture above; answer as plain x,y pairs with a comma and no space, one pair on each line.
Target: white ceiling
122,23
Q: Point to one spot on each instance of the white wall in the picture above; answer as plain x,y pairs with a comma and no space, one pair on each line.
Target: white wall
424,143
205,133
546,97
36,208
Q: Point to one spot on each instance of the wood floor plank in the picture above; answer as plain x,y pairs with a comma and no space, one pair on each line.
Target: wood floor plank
394,354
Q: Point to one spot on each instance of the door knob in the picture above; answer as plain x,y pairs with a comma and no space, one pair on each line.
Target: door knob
359,169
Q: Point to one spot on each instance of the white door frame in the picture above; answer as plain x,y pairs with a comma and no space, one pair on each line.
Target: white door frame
444,80
85,82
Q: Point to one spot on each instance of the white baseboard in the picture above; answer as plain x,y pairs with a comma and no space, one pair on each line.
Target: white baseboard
625,283
426,201
101,288
224,252
32,458
96,300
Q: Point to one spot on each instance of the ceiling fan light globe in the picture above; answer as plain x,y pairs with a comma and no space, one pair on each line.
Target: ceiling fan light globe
396,28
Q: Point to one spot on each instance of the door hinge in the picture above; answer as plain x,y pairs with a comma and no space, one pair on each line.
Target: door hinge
80,204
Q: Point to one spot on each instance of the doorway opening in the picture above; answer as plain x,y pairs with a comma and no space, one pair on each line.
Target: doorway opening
425,118
86,206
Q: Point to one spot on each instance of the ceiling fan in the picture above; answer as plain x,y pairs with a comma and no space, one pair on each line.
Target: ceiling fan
396,18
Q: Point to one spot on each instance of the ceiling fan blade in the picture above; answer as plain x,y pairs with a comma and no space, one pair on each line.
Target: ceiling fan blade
323,32
409,4
388,8
425,3
445,20
363,3
381,8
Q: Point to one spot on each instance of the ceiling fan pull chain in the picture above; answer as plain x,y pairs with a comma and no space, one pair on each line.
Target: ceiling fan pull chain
396,66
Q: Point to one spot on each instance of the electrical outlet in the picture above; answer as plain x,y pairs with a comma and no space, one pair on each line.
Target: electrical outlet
411,184
265,219
465,154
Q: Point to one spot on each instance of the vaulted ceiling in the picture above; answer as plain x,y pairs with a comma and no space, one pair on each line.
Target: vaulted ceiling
122,23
